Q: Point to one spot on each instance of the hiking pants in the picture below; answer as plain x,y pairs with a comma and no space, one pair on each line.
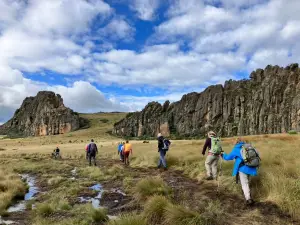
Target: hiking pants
121,156
92,157
87,156
244,178
162,160
211,165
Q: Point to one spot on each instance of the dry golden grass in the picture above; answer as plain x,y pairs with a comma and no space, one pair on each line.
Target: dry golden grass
278,179
11,187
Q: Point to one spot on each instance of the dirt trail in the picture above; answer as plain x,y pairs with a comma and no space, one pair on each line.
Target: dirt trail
197,194
192,193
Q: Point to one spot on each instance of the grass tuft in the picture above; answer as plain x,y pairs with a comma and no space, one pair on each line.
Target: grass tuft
44,210
148,187
130,219
154,209
99,215
178,215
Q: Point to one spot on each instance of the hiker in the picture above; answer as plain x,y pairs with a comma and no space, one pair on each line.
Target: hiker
87,151
246,163
163,147
120,152
213,144
92,151
127,149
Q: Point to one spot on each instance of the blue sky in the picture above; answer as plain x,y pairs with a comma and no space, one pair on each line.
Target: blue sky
118,55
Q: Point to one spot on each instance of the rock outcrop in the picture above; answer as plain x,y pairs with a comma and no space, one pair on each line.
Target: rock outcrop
269,102
44,114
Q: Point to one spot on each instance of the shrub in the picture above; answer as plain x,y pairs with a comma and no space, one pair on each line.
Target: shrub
292,132
151,186
154,209
104,120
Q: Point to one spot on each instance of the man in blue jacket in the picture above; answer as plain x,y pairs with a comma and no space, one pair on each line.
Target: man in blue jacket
120,151
240,169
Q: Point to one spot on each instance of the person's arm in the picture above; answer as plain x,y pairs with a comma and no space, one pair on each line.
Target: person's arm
229,156
206,145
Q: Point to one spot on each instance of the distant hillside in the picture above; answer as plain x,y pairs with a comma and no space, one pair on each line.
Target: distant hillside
269,102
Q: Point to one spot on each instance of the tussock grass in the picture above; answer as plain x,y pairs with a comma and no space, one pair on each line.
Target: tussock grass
131,219
54,181
99,215
11,187
154,209
178,215
148,187
44,209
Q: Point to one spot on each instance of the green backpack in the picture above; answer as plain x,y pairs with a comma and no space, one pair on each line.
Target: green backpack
216,147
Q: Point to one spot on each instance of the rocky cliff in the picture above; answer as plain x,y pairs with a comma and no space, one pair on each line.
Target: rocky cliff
44,114
268,102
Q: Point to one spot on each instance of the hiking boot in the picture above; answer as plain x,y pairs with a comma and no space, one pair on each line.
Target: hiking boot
209,178
165,169
249,202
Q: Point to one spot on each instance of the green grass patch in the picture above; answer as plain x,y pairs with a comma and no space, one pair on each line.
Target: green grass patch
148,187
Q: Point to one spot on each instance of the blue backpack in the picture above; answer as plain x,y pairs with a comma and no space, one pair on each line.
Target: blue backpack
167,144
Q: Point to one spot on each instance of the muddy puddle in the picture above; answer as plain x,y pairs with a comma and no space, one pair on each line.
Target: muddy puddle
32,191
108,198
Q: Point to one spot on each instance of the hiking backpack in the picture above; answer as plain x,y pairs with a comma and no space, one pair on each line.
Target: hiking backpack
167,144
250,156
216,147
92,148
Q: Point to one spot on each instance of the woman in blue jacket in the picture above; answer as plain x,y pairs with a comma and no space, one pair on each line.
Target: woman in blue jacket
243,171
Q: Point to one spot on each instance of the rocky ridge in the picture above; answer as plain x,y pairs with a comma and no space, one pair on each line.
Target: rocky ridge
44,114
268,102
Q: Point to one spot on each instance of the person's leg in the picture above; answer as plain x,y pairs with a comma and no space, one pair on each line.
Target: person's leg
159,160
90,159
162,157
94,157
245,185
125,158
214,167
208,162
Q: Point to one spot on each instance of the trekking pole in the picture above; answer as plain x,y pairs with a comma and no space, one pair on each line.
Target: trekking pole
220,173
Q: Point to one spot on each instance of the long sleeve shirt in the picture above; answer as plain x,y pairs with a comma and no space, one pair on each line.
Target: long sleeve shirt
206,145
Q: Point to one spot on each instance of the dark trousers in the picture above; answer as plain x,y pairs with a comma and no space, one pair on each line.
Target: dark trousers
126,158
121,156
162,160
87,156
92,157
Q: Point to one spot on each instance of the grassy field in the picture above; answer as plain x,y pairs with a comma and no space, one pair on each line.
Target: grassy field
177,196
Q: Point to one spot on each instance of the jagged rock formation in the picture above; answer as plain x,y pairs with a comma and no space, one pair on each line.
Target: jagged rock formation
269,102
44,114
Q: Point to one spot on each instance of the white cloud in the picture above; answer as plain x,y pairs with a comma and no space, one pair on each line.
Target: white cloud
145,8
118,29
197,44
164,66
